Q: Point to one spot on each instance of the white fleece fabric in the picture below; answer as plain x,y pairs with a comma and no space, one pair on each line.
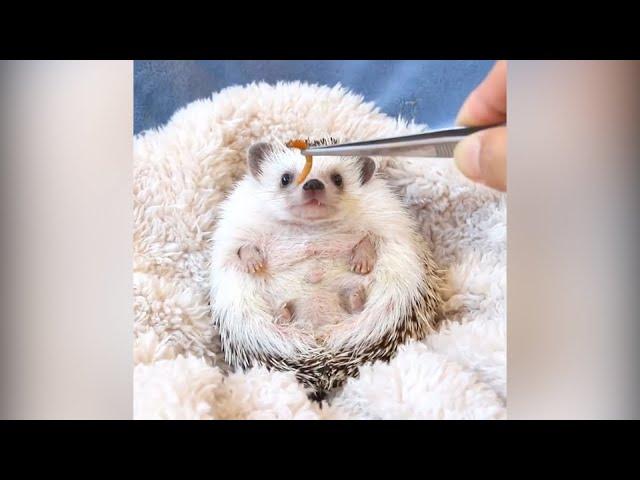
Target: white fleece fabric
183,170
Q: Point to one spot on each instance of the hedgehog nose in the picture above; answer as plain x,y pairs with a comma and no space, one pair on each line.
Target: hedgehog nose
313,185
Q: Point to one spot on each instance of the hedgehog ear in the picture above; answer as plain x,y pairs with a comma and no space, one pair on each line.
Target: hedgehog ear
256,155
367,168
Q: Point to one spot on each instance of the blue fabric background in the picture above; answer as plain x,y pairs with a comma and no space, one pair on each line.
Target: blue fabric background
428,92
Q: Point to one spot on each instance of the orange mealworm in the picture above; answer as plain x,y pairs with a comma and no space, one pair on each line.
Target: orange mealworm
302,145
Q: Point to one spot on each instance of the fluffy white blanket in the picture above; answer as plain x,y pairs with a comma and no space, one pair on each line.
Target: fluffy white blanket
181,173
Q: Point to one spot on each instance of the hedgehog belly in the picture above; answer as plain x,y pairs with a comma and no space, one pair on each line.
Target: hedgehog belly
310,272
312,288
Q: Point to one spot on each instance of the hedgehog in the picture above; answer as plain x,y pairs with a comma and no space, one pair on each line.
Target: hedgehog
322,277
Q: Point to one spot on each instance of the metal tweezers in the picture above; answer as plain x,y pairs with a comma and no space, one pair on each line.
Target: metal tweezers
435,144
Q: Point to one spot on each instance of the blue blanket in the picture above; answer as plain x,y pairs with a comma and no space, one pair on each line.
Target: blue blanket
428,92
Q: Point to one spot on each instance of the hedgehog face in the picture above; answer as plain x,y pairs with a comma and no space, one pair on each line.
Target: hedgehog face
327,194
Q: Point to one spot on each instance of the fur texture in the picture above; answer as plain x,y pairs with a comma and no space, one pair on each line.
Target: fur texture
184,171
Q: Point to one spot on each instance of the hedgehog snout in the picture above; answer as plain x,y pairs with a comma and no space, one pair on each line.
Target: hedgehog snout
313,184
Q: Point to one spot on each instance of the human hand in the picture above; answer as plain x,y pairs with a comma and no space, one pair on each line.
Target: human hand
482,157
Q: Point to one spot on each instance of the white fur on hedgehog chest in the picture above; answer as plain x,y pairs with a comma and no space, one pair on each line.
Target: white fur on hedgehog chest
309,270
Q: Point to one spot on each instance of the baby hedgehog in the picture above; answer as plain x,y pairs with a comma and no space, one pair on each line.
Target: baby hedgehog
321,277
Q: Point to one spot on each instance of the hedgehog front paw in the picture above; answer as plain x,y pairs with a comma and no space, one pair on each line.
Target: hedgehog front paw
352,299
251,259
363,257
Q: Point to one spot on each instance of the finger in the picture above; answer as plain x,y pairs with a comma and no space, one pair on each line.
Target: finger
487,104
482,157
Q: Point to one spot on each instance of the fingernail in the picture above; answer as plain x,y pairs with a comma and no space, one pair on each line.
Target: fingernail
467,157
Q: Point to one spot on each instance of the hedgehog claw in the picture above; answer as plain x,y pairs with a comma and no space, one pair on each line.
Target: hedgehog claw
251,259
363,257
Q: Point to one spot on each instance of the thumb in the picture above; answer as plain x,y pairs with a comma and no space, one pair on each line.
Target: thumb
482,157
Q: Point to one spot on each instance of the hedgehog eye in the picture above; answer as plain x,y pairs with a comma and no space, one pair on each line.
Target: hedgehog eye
285,180
336,178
